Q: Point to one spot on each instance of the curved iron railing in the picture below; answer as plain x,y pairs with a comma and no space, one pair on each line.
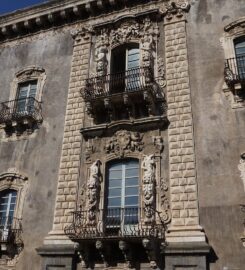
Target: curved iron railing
113,223
16,110
129,81
10,230
235,70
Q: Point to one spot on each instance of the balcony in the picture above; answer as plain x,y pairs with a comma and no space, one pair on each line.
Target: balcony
114,223
127,98
20,115
235,71
10,232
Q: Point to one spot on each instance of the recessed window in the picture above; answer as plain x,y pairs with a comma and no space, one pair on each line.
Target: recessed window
122,200
125,62
7,208
26,96
240,56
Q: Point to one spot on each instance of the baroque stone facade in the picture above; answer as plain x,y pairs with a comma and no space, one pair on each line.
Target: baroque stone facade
133,163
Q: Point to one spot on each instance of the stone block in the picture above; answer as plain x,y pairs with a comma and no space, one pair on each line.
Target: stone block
177,205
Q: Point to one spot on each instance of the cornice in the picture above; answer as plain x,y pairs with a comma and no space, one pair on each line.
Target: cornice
58,13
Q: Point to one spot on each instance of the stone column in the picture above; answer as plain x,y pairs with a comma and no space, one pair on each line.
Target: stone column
67,190
183,183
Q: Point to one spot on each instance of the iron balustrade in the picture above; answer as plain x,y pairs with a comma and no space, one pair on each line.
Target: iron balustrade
10,230
235,70
114,223
129,81
18,109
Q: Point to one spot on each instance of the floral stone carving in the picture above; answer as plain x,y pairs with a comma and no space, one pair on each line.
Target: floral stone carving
149,181
241,167
93,191
123,142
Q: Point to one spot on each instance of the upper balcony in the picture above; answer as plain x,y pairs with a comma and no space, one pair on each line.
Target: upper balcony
235,71
132,96
20,114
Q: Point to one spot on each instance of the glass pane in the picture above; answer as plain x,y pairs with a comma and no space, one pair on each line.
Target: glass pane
131,191
114,192
133,200
132,172
131,181
115,174
114,202
115,183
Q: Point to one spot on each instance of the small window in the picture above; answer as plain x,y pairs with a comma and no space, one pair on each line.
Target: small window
122,202
26,96
7,208
240,56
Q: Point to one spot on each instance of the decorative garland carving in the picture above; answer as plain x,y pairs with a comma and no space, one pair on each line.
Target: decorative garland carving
149,182
123,142
241,167
161,72
93,191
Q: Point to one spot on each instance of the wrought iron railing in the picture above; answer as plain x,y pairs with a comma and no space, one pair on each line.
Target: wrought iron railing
18,109
235,70
114,223
10,230
129,81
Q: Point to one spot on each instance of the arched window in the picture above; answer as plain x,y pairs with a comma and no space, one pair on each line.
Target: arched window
122,193
7,208
240,56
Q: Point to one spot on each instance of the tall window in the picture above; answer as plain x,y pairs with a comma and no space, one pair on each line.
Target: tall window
240,56
7,207
122,192
125,61
26,96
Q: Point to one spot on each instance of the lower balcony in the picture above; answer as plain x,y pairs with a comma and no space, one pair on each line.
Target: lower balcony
235,71
10,236
117,235
114,223
20,115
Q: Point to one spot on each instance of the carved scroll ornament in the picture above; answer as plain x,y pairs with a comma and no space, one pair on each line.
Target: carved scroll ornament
149,182
93,190
177,8
124,142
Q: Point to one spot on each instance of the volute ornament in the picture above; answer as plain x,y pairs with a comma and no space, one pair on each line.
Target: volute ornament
177,8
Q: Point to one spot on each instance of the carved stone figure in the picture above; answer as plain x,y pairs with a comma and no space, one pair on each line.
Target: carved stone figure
93,189
158,142
241,167
148,166
123,142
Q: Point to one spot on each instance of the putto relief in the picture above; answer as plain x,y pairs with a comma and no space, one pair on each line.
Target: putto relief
93,191
149,182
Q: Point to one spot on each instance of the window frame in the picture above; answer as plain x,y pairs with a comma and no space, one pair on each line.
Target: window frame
31,73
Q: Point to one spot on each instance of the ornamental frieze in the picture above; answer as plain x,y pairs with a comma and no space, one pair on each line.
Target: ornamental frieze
124,142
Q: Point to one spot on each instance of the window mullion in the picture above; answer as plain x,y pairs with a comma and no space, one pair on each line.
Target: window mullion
123,186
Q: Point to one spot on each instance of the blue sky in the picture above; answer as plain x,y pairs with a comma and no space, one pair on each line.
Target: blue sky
11,5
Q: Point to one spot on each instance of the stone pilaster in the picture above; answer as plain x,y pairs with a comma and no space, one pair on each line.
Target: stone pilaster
183,183
67,190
